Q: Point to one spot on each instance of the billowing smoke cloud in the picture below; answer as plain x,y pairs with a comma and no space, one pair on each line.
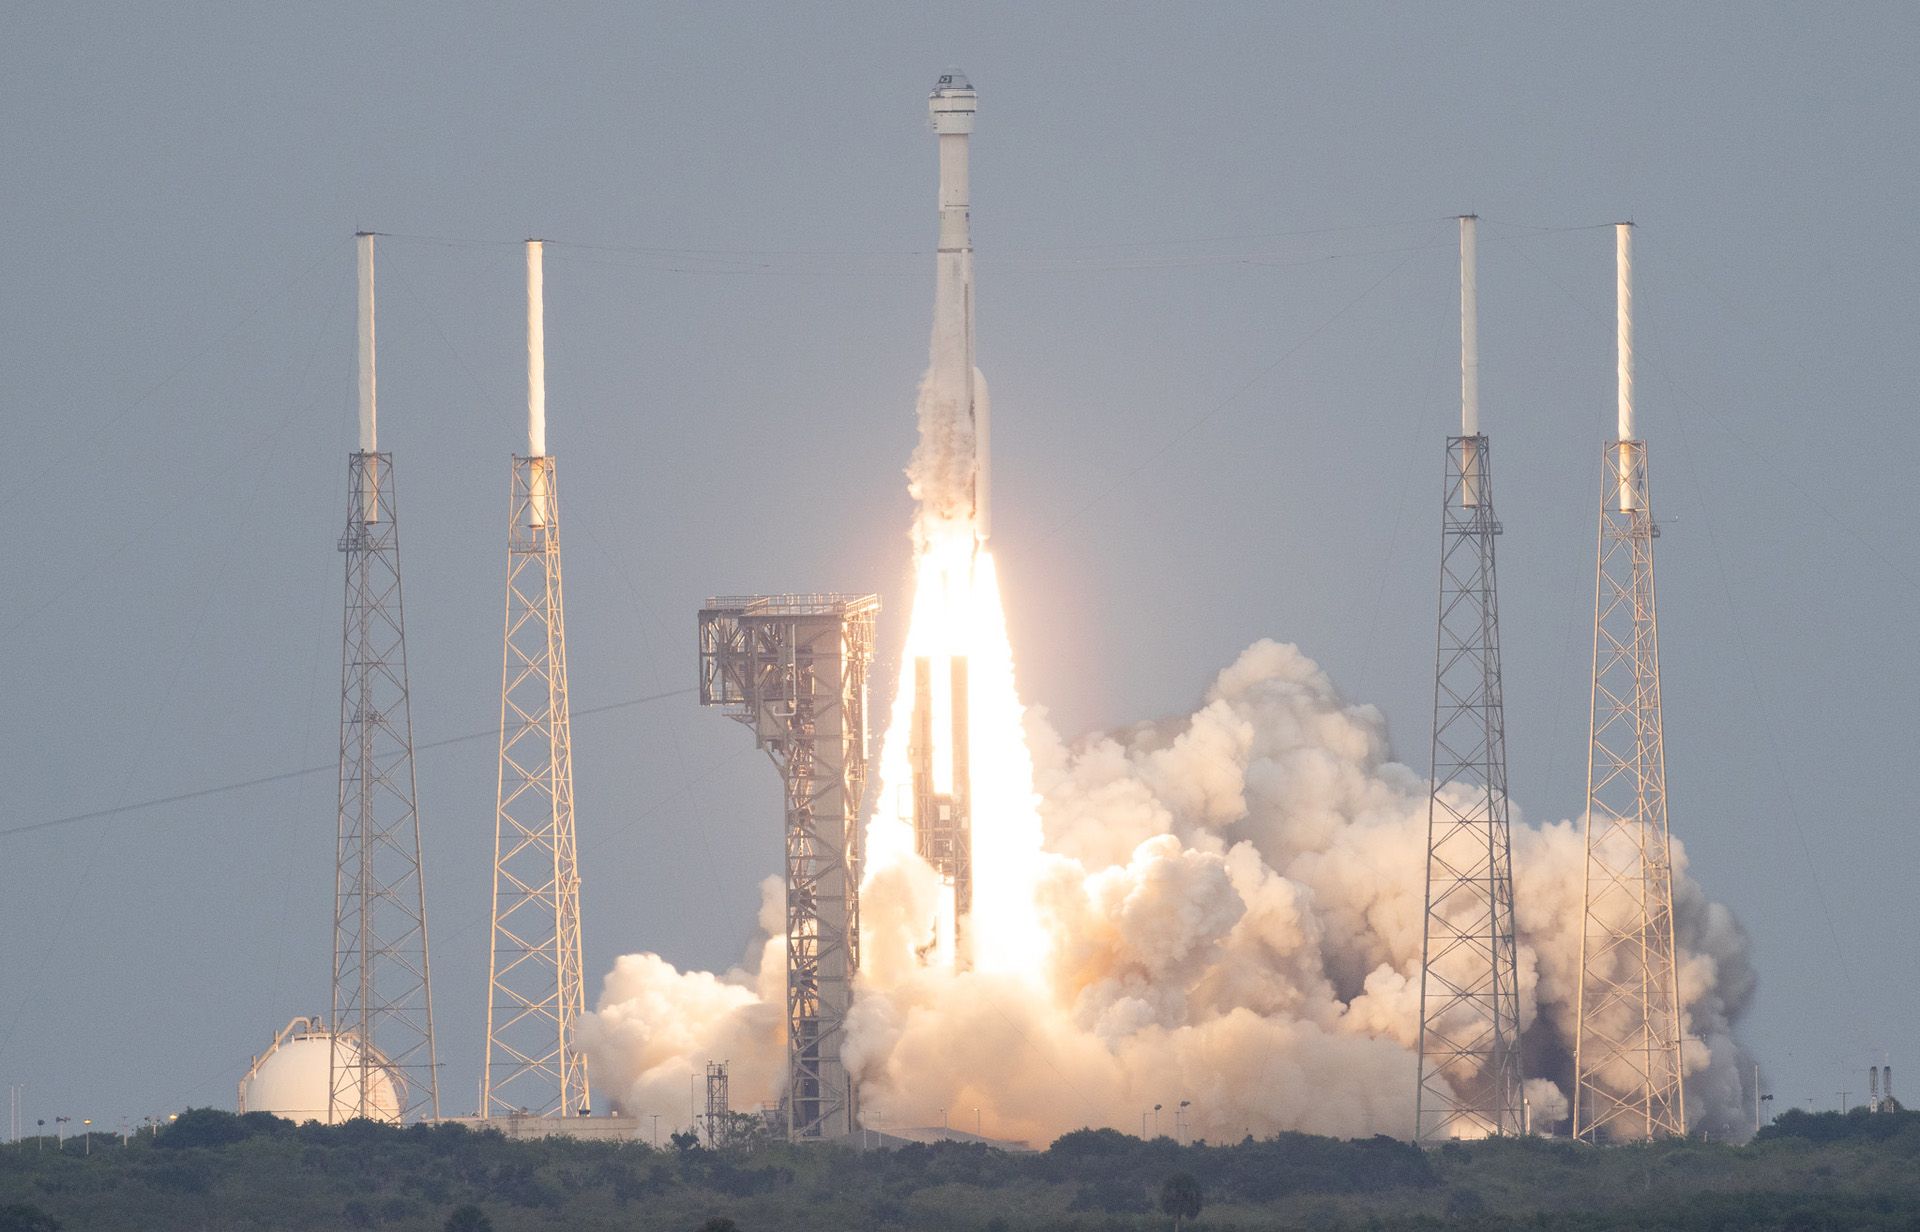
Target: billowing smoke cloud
941,473
1232,901
658,1026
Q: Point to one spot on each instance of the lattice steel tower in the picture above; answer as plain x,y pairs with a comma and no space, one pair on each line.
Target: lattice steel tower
382,1063
536,992
794,669
1627,1052
719,1104
1470,1084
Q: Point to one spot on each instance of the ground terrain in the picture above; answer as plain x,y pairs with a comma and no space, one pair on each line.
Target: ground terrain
213,1171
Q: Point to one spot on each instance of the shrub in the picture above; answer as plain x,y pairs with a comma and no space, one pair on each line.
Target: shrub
24,1217
468,1219
204,1127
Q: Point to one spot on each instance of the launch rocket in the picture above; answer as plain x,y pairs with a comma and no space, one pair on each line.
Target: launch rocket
954,427
952,106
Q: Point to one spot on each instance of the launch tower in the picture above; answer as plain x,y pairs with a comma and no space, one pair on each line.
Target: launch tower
793,668
382,994
536,990
1470,1083
1627,1050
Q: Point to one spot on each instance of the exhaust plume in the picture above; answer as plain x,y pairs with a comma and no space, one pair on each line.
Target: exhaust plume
1232,900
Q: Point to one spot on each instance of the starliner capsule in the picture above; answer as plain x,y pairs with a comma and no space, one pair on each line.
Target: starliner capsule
952,106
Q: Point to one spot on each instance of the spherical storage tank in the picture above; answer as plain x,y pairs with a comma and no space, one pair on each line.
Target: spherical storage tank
290,1079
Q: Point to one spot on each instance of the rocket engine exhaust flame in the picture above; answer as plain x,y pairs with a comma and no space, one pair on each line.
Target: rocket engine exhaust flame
1223,907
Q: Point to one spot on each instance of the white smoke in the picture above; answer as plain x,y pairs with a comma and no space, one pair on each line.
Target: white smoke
941,472
657,1027
1234,904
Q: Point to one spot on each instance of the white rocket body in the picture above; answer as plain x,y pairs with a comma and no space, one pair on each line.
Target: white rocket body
952,106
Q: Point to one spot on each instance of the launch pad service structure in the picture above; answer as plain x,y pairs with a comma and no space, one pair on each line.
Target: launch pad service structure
1470,1081
536,991
1627,1051
381,1063
794,668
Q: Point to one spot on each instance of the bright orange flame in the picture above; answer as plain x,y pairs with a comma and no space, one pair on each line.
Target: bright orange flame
957,611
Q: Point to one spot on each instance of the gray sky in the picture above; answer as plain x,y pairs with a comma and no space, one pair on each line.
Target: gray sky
1217,304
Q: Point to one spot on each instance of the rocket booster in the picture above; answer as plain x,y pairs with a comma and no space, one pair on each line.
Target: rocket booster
952,106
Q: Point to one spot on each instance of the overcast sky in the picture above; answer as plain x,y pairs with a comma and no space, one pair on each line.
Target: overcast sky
1217,298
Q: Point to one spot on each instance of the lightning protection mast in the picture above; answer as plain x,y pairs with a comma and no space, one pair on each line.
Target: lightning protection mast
1469,1084
382,1064
536,988
1627,1049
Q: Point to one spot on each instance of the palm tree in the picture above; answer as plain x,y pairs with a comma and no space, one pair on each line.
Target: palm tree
1180,1198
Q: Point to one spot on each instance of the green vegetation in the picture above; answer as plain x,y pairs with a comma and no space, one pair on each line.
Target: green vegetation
1180,1197
221,1173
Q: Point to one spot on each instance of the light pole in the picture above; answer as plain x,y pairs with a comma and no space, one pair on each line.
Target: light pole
1179,1117
1156,1120
976,1121
86,1147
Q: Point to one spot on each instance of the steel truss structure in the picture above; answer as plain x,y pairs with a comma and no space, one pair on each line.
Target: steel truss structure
719,1104
383,1065
1470,1081
793,668
1627,1053
536,988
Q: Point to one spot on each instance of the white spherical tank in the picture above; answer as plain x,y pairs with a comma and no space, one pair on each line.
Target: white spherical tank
291,1079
